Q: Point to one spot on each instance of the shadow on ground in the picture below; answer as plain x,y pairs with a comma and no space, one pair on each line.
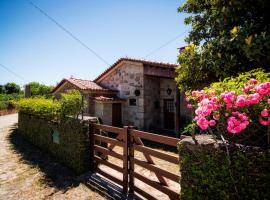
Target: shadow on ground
58,176
55,175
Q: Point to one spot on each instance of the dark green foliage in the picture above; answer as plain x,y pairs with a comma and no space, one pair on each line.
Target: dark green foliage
11,88
206,172
73,149
234,36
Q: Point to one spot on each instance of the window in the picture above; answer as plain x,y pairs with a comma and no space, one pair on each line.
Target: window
132,102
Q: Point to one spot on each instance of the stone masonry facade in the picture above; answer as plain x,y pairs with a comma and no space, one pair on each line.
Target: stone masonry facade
126,79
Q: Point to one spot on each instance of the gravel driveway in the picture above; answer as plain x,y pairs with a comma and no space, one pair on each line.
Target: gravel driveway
27,173
8,120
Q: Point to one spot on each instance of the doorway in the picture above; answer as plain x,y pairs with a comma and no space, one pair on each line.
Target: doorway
117,114
168,114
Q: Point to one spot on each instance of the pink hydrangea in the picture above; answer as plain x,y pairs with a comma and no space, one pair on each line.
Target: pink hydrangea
263,89
237,122
264,122
264,113
247,88
228,97
253,98
212,108
189,106
241,101
203,123
253,81
195,93
212,122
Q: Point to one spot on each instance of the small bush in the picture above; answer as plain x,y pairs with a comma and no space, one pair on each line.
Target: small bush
7,105
70,105
7,97
238,108
46,108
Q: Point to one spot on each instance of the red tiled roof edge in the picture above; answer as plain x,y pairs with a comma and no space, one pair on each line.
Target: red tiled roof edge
158,64
79,84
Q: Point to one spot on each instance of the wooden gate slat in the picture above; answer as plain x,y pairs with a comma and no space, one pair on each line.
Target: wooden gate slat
108,164
110,177
172,194
108,152
107,140
155,137
155,169
155,153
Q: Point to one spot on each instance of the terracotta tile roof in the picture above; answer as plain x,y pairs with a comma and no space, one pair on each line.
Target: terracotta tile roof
145,62
107,99
82,84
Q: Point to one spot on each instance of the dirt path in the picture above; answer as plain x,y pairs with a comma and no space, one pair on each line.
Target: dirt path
27,173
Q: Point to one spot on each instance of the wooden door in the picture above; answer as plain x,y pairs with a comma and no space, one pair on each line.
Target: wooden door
169,114
116,114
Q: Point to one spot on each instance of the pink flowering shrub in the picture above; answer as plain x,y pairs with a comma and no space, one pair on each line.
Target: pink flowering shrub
232,111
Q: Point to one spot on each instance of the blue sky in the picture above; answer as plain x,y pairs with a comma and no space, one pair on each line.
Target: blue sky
38,50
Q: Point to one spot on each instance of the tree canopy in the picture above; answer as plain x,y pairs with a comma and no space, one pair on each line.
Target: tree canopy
11,88
227,37
38,89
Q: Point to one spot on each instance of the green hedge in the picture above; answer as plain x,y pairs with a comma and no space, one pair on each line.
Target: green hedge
69,105
73,147
206,172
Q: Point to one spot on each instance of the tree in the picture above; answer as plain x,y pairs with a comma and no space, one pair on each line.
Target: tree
2,89
12,88
38,89
227,37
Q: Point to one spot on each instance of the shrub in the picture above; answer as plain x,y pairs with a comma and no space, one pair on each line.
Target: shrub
70,105
7,97
46,108
7,105
208,173
234,105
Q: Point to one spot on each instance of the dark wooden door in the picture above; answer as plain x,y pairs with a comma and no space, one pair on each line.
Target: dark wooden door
169,114
116,114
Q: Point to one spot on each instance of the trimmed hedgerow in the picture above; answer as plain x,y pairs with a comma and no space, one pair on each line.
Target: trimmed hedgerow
73,147
69,105
207,173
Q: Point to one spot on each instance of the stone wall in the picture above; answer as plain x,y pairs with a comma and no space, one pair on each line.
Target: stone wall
207,170
126,79
152,117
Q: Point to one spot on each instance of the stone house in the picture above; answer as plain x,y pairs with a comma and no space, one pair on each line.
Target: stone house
133,92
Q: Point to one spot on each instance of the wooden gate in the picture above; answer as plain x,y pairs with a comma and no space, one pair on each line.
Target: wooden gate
131,140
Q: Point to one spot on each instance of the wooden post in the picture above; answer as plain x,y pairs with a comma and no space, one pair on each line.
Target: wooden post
131,164
125,160
92,143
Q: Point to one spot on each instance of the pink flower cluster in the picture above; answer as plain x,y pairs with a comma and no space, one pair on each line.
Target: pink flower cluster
265,118
237,122
263,89
205,108
234,108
